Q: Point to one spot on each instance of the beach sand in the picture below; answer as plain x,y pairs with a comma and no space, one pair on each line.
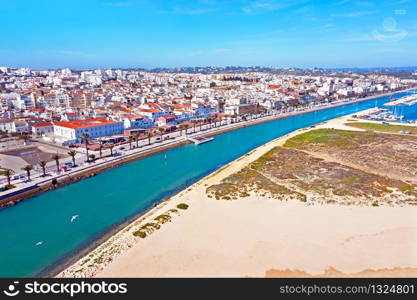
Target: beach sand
258,236
248,237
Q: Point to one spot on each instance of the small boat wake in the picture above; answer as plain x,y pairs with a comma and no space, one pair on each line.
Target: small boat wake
39,243
73,218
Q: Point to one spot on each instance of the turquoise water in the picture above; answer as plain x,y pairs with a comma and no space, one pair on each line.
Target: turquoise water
408,111
118,194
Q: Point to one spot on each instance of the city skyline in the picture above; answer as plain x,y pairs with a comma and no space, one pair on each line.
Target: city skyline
149,34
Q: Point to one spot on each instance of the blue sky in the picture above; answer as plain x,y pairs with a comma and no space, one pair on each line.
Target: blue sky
158,33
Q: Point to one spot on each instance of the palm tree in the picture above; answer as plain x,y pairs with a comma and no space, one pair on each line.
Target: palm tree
194,124
136,138
186,128
27,138
111,149
149,135
85,138
101,150
56,158
219,118
201,124
130,140
181,127
8,173
42,164
161,132
28,168
72,153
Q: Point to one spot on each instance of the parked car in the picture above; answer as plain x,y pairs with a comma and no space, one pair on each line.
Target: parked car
18,176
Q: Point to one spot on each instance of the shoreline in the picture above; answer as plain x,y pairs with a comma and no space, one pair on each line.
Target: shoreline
123,239
170,202
113,232
64,179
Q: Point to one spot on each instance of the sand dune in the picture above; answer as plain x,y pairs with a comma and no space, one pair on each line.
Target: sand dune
260,236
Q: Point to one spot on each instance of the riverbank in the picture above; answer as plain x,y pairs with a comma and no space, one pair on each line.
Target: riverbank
256,236
43,185
124,239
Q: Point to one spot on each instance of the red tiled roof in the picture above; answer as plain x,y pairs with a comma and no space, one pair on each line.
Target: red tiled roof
150,110
274,86
42,124
85,123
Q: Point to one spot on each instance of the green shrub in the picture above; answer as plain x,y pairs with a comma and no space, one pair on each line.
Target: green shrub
9,187
162,219
182,206
140,234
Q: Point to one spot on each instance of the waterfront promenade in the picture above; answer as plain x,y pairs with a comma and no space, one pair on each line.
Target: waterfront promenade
123,154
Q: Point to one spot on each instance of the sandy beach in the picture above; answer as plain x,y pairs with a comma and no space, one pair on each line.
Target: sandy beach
259,236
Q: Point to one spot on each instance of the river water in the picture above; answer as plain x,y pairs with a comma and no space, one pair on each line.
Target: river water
108,199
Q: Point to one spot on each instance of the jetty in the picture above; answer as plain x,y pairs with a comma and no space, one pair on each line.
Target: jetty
408,100
200,140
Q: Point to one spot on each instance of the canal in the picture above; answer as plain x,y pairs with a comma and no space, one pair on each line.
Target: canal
38,232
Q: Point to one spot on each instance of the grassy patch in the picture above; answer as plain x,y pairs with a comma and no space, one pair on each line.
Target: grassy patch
146,229
383,127
340,138
162,219
250,179
182,206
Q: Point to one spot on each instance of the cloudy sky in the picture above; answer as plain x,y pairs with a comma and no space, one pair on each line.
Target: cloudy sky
164,33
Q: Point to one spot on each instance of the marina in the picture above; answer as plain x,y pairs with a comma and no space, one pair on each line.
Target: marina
402,109
381,114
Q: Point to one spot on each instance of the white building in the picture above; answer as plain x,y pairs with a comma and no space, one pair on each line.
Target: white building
73,131
137,121
15,101
42,128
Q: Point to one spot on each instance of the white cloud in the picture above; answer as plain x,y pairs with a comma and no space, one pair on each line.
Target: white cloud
196,11
262,6
400,12
353,14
